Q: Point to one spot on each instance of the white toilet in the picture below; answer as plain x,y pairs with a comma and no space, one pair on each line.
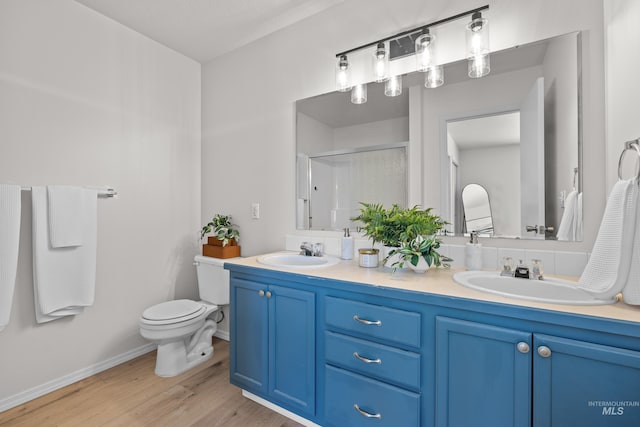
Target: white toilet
183,328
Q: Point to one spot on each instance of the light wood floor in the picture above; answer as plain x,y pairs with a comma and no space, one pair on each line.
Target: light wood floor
132,395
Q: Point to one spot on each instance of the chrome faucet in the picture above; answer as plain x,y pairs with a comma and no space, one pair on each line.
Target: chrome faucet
311,249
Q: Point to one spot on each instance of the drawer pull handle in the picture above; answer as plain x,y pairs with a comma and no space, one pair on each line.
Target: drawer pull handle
366,359
365,413
367,322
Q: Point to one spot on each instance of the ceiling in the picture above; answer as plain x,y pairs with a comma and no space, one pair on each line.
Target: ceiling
205,29
488,131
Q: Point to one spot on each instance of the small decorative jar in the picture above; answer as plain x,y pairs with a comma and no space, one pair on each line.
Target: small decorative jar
368,257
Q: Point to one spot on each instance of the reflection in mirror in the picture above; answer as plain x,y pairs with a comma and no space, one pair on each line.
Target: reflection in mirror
517,134
477,210
347,154
531,97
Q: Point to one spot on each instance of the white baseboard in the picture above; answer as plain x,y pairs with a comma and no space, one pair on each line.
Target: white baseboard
280,410
48,387
223,335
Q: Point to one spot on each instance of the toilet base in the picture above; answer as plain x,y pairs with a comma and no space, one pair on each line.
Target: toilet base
176,357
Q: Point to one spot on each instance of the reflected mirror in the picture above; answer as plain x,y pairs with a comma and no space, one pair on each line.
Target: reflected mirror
476,210
515,132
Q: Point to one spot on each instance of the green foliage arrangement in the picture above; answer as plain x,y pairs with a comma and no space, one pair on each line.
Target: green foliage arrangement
222,228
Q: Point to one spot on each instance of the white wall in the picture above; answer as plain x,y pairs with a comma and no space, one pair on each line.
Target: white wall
504,194
249,110
623,86
382,132
85,101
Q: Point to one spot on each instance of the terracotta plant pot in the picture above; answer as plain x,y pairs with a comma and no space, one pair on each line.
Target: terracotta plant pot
221,251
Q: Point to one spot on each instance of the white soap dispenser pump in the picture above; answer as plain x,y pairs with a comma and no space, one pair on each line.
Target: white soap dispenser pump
473,253
346,245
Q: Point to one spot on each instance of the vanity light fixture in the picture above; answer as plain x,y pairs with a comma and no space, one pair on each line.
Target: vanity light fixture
478,46
343,74
421,42
380,63
393,86
359,94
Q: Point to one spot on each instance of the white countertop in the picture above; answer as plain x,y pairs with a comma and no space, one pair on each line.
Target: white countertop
439,281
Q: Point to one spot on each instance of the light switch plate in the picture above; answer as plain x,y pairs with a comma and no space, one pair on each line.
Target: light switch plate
255,210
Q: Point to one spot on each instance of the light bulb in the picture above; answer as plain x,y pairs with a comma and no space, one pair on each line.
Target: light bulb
393,86
424,47
359,94
343,74
380,63
477,35
434,77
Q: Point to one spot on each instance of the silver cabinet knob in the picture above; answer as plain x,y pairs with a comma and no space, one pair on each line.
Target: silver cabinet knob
268,294
365,413
523,347
261,292
544,351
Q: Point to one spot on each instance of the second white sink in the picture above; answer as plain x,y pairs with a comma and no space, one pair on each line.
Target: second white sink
550,290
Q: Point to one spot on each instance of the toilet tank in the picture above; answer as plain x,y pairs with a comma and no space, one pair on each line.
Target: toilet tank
213,280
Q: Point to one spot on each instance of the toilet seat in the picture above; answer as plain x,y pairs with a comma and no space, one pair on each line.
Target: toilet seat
172,312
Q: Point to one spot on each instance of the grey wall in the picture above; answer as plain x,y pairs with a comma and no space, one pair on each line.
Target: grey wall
86,101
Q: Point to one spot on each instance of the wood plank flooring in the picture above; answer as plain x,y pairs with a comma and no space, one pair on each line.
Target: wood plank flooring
132,395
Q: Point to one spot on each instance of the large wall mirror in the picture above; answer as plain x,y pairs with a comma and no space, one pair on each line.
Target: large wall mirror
515,133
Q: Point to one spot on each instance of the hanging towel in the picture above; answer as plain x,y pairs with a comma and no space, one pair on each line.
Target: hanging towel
63,278
66,210
631,289
9,242
579,227
566,228
608,268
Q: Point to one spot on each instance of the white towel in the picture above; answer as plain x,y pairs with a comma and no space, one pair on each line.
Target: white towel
579,226
66,210
566,230
608,268
631,289
9,243
63,278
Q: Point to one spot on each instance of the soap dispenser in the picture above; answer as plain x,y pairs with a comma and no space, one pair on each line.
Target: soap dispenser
346,245
473,253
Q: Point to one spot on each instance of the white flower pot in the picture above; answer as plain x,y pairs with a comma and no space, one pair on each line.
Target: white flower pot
422,266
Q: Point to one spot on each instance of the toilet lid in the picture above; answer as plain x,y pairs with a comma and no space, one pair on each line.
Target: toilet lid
174,311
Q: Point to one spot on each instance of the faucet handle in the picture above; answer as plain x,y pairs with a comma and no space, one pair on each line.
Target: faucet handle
318,249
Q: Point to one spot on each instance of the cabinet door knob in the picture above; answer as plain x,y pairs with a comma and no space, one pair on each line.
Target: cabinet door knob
366,359
367,322
365,413
544,351
261,292
523,347
268,294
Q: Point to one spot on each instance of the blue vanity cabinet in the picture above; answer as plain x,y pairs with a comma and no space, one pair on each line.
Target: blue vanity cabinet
489,375
584,384
483,375
273,343
372,364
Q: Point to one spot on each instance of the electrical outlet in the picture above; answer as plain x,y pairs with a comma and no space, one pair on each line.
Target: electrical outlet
255,210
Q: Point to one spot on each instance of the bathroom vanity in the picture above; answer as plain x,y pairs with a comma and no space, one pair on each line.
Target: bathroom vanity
349,346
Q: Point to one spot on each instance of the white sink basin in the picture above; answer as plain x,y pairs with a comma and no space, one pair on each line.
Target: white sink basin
550,290
295,260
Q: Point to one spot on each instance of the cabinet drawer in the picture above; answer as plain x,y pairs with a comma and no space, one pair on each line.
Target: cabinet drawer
399,367
389,324
386,404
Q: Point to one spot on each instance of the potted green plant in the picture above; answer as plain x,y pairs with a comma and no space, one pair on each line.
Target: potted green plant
396,226
420,253
224,242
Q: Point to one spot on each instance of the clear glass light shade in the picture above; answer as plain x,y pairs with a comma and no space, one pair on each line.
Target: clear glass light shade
477,35
343,74
393,86
359,94
425,52
434,77
380,63
479,66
